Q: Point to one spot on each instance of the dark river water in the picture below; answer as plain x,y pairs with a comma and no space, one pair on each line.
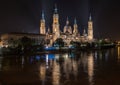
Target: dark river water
101,67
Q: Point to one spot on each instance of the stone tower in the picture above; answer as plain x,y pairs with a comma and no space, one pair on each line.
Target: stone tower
42,24
75,26
56,29
67,27
90,28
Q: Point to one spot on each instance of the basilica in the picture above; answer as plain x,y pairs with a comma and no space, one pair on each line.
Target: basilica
48,36
68,34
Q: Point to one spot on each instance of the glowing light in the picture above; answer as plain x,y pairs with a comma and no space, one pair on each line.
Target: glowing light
1,44
118,54
22,61
67,66
46,46
90,68
42,72
56,56
6,46
96,55
65,56
37,57
51,56
106,55
0,63
0,66
56,74
47,61
75,68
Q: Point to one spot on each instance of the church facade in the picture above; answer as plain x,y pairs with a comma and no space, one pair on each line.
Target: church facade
68,34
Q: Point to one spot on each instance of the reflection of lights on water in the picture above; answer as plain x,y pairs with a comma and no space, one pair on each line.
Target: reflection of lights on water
90,68
22,61
31,60
51,63
96,55
75,66
47,58
56,74
106,55
100,55
71,55
37,57
0,66
47,61
65,56
67,66
46,47
0,63
42,72
112,52
84,61
56,56
51,56
118,54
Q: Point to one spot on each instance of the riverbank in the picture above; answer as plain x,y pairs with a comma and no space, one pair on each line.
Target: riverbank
57,51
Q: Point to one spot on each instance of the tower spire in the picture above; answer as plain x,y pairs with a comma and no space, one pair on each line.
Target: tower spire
90,28
67,21
75,21
90,17
84,31
48,30
75,31
42,24
43,16
55,10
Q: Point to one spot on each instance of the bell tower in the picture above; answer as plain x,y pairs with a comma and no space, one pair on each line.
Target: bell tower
42,24
90,28
75,31
55,25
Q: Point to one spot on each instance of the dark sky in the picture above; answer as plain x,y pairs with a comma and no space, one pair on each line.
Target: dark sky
24,15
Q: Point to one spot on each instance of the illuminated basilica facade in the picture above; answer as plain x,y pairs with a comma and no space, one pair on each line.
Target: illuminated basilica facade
69,34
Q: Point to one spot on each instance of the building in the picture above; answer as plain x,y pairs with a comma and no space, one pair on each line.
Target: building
69,34
48,37
7,38
90,29
42,25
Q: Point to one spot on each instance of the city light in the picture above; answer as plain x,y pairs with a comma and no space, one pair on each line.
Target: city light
56,74
90,68
118,54
42,70
47,66
0,63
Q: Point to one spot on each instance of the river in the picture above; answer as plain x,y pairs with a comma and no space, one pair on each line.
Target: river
100,67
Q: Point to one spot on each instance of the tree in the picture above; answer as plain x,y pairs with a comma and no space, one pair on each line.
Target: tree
59,42
47,41
12,43
25,43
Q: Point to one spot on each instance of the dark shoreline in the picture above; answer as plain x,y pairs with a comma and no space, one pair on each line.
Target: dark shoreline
59,51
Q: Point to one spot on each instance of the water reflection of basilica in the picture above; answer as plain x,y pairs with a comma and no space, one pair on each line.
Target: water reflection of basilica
59,68
75,68
67,67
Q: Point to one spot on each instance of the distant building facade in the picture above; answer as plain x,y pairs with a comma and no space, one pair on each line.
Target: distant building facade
9,37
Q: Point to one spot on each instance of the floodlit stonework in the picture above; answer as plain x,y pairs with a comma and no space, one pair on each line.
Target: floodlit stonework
69,34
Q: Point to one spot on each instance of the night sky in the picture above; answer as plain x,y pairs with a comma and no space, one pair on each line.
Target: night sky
24,15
